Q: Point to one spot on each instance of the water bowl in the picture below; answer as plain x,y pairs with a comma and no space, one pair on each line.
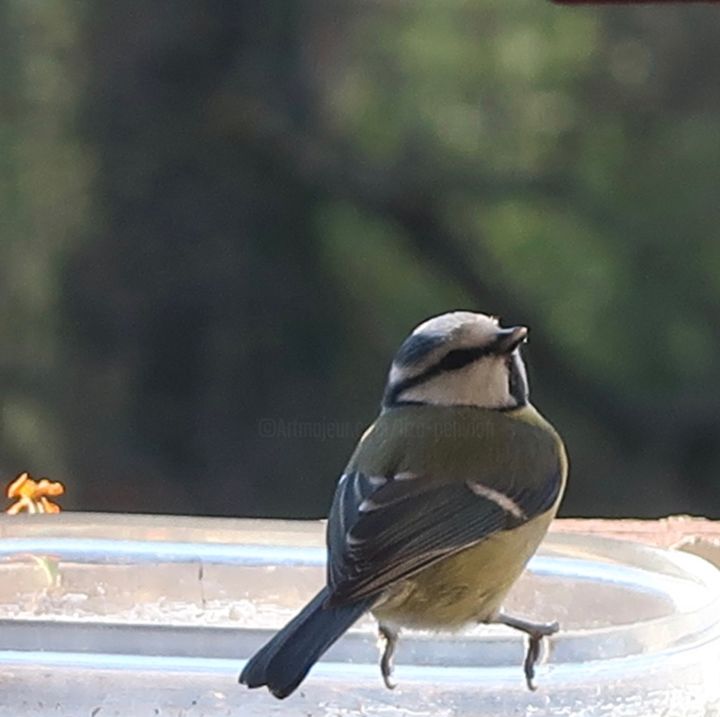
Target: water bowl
114,615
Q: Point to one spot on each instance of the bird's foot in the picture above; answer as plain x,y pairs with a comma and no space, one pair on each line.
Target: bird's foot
535,631
389,639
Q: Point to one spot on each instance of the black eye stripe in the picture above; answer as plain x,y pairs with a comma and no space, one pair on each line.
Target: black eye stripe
458,358
452,361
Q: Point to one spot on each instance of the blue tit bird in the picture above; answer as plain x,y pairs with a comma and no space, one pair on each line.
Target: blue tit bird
445,499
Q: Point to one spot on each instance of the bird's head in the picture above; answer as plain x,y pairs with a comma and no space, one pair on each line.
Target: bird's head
459,358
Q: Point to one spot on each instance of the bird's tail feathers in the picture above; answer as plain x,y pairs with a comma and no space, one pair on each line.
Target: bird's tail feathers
283,663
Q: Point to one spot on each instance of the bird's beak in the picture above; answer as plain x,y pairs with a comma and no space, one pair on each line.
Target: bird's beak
509,339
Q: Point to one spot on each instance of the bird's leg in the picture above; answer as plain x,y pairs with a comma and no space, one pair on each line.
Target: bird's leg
389,639
535,632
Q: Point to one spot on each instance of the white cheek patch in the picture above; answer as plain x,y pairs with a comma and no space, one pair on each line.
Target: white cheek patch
482,383
500,499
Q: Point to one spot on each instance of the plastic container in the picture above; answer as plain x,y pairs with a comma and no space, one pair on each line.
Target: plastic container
145,615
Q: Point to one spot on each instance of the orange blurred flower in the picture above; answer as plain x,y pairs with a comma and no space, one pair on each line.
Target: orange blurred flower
32,496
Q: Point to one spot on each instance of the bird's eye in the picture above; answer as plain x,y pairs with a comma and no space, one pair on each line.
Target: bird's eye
457,359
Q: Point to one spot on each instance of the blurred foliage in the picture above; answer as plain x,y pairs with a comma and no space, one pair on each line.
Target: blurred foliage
220,219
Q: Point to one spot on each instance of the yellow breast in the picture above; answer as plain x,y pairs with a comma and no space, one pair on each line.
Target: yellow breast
466,587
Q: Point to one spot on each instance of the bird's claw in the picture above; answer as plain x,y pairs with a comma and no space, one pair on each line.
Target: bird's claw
389,637
535,638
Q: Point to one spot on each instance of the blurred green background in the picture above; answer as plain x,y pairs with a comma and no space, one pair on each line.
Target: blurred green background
219,219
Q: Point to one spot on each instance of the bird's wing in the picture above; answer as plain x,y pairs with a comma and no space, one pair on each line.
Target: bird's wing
384,528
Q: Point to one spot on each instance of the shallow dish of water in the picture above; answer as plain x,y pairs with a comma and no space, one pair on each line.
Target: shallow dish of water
104,614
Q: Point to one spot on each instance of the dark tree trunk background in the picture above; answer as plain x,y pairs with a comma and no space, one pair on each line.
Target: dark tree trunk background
220,219
200,308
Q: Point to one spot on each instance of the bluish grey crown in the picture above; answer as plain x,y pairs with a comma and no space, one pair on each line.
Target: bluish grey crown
416,348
